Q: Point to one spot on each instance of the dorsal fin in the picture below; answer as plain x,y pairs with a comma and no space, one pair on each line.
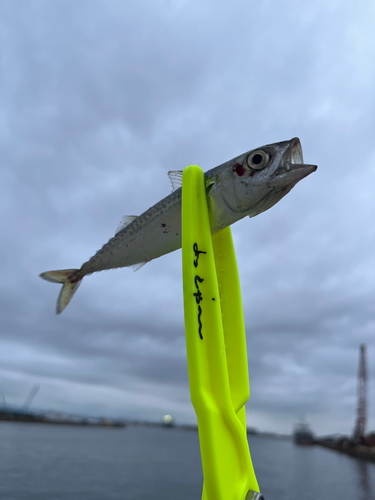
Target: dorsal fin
125,221
175,176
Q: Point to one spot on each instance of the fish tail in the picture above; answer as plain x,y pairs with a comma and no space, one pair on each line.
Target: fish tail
70,280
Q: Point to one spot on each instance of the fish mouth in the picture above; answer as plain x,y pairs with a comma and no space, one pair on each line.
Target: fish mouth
292,169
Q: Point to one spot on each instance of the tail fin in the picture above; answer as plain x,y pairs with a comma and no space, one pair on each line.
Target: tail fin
68,277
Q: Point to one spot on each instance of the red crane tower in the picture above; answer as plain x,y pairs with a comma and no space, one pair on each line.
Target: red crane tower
360,426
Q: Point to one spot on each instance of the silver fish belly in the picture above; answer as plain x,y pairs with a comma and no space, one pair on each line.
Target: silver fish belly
244,186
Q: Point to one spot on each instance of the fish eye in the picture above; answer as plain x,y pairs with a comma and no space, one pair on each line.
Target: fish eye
258,159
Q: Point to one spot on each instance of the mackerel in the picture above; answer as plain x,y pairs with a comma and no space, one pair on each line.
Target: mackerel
244,186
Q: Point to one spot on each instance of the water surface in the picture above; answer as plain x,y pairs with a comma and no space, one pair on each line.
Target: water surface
46,462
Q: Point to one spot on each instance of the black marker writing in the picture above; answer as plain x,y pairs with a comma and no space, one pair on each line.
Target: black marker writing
196,252
197,278
198,299
200,322
198,294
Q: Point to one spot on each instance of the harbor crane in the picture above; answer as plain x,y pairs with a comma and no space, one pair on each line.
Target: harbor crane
360,426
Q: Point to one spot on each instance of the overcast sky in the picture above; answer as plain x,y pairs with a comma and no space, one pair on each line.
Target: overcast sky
98,100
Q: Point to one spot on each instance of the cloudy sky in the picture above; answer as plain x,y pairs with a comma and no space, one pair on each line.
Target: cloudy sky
98,100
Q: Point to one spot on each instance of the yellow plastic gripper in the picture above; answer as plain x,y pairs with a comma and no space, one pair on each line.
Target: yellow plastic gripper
216,347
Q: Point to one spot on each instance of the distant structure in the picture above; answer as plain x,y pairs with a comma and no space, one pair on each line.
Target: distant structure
168,421
360,426
302,433
30,397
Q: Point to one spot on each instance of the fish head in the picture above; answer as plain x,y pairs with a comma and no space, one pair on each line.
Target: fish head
255,181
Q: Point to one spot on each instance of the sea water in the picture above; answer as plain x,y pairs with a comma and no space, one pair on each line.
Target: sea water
51,462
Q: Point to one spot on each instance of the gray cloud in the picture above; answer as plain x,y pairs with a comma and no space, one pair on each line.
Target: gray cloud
98,101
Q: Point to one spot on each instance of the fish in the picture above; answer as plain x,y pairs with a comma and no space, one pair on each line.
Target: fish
247,185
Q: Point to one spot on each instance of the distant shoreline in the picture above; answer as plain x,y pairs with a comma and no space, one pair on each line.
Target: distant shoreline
33,418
